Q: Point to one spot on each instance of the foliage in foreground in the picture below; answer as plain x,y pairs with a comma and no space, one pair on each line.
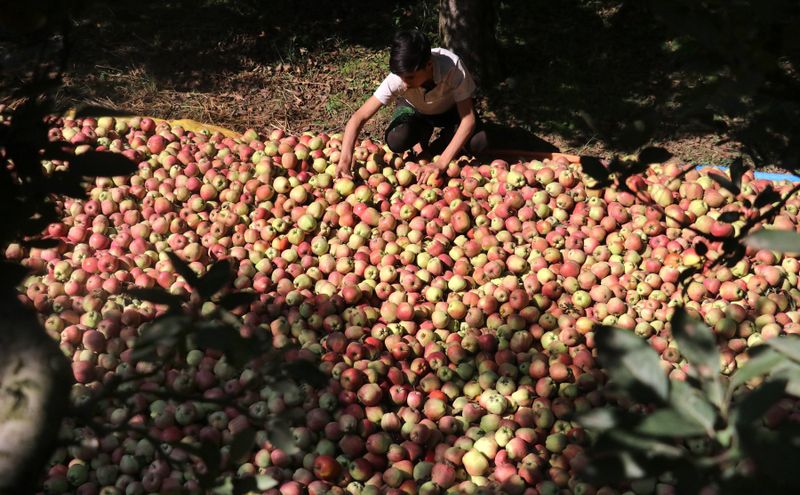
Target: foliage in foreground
704,430
707,431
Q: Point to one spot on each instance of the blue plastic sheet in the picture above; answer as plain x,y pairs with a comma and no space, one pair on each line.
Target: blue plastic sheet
762,175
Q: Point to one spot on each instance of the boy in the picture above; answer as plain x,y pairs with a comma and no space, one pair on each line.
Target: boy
433,89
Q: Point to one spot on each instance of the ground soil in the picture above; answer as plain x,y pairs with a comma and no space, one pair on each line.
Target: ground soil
263,65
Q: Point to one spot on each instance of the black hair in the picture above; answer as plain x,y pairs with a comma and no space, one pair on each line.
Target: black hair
410,51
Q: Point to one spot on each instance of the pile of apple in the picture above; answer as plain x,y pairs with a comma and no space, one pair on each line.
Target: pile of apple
453,318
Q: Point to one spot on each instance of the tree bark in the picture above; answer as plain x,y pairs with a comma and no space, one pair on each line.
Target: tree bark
467,27
35,380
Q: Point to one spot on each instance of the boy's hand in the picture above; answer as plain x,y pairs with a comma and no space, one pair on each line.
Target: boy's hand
440,164
344,167
429,171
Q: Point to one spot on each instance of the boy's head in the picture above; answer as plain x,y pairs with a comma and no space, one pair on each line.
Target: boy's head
410,57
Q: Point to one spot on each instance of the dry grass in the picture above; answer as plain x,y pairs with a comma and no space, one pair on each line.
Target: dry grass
193,63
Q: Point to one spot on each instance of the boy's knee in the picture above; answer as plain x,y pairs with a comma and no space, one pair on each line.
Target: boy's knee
478,142
399,138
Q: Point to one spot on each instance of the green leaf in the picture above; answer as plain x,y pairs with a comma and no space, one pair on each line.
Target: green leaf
102,164
233,300
714,391
790,372
242,486
280,435
215,279
696,341
241,445
158,296
690,403
631,363
613,467
793,384
182,269
600,419
758,402
788,345
253,484
619,455
264,482
224,486
644,445
144,352
759,364
784,241
725,183
775,453
669,423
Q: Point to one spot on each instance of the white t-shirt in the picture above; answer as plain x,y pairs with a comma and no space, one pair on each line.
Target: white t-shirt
453,84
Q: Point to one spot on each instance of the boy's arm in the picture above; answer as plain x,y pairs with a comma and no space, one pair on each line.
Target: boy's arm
351,132
462,134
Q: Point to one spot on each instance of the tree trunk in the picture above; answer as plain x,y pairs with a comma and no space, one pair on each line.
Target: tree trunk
467,27
35,380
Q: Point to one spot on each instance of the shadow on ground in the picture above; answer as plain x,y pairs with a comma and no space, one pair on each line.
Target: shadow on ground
574,70
188,45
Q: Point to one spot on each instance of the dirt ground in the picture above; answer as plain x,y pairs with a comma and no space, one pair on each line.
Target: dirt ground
248,64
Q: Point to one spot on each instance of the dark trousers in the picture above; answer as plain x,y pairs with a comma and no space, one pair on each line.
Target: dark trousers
409,127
